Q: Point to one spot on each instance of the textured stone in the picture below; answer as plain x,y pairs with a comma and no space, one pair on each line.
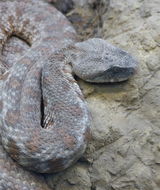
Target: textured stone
62,5
124,153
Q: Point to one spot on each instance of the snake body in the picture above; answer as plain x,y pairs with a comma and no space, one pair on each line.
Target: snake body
44,120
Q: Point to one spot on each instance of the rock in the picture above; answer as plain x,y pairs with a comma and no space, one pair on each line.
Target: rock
83,3
63,5
80,179
124,153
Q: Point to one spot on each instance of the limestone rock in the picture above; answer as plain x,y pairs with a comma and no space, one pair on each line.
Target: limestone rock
124,153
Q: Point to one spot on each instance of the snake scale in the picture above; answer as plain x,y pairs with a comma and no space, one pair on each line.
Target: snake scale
44,120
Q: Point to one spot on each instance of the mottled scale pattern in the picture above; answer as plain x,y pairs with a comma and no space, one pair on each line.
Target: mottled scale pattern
44,120
41,30
13,177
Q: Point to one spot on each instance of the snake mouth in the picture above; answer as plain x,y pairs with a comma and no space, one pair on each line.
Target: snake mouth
114,74
117,74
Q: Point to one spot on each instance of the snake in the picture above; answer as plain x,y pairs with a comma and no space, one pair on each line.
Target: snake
45,123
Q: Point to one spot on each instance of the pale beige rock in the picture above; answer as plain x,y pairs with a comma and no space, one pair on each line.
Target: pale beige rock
82,3
124,153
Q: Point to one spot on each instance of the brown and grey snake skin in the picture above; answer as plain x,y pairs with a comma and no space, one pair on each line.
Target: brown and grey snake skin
44,120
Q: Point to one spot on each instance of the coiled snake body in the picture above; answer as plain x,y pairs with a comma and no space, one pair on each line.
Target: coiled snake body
44,120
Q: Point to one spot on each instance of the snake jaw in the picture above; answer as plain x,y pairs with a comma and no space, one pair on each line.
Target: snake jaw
114,74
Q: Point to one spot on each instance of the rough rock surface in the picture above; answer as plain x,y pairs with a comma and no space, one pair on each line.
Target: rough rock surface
124,153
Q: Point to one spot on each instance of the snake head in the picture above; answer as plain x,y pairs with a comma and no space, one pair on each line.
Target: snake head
95,60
